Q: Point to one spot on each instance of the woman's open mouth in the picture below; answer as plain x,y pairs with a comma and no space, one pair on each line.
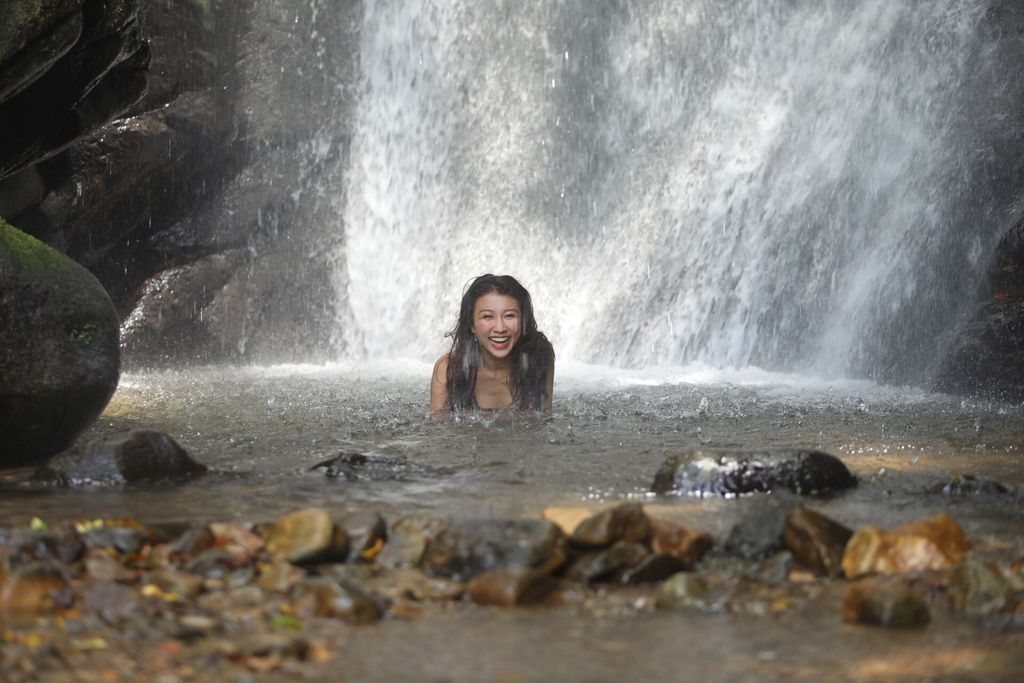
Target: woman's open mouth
500,343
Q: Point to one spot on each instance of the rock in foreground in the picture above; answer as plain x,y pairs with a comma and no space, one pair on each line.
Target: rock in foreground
936,543
729,472
59,354
125,458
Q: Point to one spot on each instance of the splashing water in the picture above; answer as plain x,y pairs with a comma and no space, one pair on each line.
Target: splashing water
793,185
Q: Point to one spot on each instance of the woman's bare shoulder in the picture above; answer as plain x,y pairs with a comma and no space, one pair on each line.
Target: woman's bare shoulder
441,366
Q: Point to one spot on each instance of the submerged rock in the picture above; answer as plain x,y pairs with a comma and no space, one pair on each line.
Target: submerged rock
510,587
936,543
125,458
682,590
471,547
981,588
816,542
706,472
885,603
323,597
59,355
360,467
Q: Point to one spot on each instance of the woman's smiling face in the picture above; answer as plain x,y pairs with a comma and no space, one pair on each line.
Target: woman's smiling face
497,323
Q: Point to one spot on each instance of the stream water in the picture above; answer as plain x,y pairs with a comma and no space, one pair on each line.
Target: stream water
263,429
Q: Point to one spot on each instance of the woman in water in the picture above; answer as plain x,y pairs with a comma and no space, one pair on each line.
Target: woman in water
498,357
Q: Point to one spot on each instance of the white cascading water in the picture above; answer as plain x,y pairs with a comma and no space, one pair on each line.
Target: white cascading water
780,183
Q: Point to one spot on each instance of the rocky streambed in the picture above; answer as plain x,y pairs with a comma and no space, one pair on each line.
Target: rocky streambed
116,600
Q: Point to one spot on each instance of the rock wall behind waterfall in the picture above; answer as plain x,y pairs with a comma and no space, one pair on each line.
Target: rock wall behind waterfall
201,211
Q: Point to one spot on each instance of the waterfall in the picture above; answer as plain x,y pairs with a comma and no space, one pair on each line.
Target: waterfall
792,184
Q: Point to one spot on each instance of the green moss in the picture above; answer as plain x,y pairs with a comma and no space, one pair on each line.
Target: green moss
34,259
29,253
83,333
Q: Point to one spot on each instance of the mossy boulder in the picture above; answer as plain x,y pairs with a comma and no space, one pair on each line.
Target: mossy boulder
59,349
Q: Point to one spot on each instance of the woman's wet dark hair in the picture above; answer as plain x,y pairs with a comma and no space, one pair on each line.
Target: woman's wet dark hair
531,356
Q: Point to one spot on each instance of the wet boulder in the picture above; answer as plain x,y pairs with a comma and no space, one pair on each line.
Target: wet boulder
126,458
471,547
731,472
59,353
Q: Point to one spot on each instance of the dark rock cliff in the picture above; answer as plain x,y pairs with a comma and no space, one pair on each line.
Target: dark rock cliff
194,203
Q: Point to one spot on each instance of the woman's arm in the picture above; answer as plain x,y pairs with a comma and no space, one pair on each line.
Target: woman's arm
549,385
439,387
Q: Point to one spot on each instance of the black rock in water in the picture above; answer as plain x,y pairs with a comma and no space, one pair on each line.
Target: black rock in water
360,467
729,472
969,485
138,456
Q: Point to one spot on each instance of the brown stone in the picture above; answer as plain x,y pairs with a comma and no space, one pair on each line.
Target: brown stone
625,522
176,582
279,575
816,542
99,565
937,543
685,544
510,587
305,537
238,539
35,588
878,602
407,540
567,518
